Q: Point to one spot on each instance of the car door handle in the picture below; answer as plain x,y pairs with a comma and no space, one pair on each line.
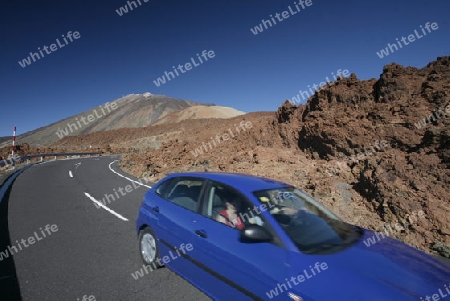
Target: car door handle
156,208
201,233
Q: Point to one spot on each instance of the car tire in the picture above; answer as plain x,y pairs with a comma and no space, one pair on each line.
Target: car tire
148,247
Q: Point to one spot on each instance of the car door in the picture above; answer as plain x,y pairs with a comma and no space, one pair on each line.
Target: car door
237,270
176,208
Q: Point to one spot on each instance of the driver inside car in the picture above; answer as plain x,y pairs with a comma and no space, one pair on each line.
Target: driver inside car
230,215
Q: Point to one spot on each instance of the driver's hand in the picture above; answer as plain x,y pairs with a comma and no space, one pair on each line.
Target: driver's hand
289,211
275,210
256,221
284,210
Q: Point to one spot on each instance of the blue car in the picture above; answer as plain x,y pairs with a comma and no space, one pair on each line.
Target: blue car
241,237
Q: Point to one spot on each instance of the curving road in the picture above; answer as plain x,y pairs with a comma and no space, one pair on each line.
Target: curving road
65,247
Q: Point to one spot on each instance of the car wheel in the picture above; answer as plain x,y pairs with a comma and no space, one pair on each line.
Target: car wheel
148,247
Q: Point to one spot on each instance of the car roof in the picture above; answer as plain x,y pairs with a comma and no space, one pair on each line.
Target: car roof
243,182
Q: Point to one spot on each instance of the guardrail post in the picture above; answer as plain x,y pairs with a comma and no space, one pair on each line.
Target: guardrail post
55,157
42,158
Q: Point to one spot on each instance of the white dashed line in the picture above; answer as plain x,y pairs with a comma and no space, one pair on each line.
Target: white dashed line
104,207
70,174
131,180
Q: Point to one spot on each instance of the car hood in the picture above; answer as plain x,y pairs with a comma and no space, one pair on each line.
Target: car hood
384,269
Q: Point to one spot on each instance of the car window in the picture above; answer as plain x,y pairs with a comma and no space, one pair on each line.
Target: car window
226,205
184,192
163,188
311,226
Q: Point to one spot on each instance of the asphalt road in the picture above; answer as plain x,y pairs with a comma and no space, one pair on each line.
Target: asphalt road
90,251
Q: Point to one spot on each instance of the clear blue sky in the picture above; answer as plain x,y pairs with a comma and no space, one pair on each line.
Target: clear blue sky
118,55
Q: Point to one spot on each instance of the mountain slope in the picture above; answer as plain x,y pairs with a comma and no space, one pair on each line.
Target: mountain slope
135,110
199,112
6,138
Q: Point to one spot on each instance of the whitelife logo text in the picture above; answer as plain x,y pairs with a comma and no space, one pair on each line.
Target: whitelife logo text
305,95
188,66
165,260
199,150
11,250
412,218
90,118
33,55
411,38
124,9
434,116
281,287
108,198
436,296
280,17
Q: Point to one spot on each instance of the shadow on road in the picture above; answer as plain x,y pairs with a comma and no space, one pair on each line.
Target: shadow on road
9,285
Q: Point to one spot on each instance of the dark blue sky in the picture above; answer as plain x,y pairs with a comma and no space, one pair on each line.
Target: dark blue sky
118,55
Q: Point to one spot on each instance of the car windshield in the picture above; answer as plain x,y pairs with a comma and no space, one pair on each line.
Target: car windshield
312,227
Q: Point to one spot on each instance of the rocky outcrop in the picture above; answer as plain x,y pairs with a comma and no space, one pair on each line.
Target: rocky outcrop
409,108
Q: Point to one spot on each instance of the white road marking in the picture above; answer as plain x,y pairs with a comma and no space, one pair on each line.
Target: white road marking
104,207
70,174
78,164
126,177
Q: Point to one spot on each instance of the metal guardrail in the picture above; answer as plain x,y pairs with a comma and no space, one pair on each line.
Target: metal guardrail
12,161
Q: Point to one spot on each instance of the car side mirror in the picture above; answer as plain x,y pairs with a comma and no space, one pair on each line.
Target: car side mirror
255,233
